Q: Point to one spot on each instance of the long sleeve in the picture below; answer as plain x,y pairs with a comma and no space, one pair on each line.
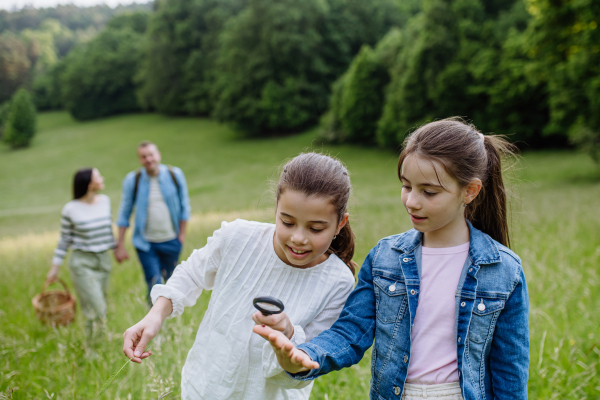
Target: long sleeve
345,343
66,239
195,274
126,205
509,353
324,320
184,197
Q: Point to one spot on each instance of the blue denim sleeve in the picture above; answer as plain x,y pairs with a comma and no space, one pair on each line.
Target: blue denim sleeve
184,197
345,343
126,205
509,353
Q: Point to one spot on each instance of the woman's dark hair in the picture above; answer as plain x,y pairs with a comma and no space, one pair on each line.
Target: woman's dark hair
466,154
81,181
319,175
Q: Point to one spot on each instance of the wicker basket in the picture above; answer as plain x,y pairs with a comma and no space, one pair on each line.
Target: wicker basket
54,307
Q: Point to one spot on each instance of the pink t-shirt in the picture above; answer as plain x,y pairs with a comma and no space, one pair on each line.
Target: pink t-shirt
433,350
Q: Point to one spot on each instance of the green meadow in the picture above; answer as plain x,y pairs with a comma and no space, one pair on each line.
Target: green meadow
555,230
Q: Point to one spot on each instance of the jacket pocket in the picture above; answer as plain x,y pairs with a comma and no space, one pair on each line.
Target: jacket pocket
390,298
483,319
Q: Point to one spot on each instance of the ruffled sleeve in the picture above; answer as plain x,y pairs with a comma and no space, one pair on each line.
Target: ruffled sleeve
197,273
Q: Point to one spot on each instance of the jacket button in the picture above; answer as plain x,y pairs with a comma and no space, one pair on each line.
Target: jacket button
463,304
392,288
396,390
459,340
412,292
470,269
405,259
405,359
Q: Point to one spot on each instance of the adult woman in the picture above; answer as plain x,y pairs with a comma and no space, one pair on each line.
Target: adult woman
86,228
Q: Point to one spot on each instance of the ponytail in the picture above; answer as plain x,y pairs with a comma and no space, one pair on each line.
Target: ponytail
467,154
343,247
488,212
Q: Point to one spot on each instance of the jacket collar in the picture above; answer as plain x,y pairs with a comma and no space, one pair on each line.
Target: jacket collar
482,250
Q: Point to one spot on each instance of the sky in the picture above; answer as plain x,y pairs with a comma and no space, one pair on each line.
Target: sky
10,4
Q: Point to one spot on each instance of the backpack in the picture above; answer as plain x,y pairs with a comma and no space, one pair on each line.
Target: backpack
137,181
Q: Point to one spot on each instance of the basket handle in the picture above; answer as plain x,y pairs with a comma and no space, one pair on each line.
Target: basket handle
46,284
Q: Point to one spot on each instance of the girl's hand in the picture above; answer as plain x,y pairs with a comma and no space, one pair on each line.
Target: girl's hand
137,337
289,357
279,322
52,275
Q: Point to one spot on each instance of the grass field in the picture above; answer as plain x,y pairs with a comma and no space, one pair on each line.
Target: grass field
556,231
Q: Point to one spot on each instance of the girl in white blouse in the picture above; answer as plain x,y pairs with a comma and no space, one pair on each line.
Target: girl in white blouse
304,259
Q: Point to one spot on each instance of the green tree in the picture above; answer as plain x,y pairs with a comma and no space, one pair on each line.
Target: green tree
4,110
48,88
279,57
358,96
467,58
182,44
99,77
565,43
21,121
14,65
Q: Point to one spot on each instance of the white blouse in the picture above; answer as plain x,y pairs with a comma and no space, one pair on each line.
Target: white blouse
239,263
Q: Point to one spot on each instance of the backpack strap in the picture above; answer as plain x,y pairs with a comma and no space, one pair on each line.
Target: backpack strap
137,182
174,179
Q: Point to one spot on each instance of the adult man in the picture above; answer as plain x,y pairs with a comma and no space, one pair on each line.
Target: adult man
160,196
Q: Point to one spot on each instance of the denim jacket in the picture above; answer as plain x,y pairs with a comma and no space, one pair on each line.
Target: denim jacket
178,203
492,339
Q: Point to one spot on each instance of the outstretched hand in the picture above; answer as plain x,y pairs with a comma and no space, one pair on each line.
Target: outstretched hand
137,338
289,357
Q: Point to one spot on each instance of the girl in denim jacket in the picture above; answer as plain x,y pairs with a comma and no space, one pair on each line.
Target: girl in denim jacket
446,302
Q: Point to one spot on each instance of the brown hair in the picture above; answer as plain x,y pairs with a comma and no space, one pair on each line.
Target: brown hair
466,154
319,175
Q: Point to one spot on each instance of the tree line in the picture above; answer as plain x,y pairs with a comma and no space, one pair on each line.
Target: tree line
366,72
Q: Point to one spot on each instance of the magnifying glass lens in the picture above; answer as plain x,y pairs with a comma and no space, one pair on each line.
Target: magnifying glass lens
268,307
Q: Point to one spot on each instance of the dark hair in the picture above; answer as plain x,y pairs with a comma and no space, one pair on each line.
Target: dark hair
466,154
81,181
319,175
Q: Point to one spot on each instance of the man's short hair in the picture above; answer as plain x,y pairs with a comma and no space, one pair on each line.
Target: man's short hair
145,143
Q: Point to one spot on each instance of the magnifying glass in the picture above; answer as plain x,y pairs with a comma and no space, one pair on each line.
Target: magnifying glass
268,305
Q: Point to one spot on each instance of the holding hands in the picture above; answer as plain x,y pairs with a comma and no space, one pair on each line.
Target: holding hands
289,357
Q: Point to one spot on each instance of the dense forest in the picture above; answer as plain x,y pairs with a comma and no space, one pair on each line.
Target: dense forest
366,72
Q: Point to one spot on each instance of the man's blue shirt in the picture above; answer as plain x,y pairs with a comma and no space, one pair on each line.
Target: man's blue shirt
177,201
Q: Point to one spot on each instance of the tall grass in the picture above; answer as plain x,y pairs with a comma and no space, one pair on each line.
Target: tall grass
556,229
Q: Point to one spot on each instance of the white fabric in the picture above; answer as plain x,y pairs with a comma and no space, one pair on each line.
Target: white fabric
443,391
85,227
159,226
239,263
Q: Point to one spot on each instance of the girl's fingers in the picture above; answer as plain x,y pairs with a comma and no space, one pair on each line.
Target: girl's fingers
301,358
129,343
260,318
264,331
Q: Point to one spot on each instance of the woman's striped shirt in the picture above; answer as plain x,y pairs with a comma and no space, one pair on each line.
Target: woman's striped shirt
85,227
